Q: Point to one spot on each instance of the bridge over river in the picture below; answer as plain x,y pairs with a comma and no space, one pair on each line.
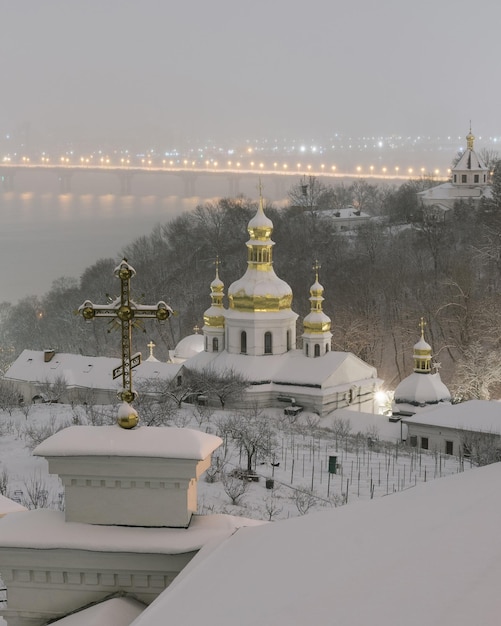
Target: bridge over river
238,180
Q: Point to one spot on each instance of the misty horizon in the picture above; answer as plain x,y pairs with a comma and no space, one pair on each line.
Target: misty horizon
150,74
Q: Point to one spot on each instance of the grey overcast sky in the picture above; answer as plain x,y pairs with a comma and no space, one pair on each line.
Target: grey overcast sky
146,70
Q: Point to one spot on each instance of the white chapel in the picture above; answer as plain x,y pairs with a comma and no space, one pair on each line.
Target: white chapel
469,182
422,389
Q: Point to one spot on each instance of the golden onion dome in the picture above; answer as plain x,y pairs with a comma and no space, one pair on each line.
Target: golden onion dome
214,315
260,289
316,321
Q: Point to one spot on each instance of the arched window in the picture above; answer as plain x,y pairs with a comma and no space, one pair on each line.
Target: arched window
243,342
268,348
206,344
215,344
317,349
326,348
307,349
288,340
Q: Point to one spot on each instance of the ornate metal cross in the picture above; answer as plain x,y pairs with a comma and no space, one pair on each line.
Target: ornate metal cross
316,266
126,313
422,325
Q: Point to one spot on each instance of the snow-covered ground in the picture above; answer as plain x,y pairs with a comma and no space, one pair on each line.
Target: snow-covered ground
296,477
293,481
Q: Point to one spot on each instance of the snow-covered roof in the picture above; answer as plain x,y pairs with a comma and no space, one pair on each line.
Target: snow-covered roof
89,372
370,424
145,441
112,612
293,367
348,212
476,415
422,389
448,191
470,161
429,555
46,529
189,346
9,506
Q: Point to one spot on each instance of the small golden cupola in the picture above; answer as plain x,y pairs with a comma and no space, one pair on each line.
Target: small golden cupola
470,140
317,325
214,316
260,289
422,353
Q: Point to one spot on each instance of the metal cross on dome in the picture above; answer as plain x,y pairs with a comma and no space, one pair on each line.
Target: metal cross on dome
126,313
316,266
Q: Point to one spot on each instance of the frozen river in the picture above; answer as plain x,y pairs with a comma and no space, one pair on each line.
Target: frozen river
47,235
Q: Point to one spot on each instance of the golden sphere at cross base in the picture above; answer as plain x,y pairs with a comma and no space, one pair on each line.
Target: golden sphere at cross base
128,421
124,273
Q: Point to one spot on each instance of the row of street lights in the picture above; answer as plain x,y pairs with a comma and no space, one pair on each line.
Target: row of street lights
105,161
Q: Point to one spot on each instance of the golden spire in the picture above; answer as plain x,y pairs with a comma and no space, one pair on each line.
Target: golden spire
316,267
470,138
422,324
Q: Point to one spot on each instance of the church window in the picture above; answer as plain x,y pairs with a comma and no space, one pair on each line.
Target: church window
455,178
463,178
179,381
288,340
215,344
317,349
449,447
476,178
424,443
243,342
206,344
326,348
268,348
307,350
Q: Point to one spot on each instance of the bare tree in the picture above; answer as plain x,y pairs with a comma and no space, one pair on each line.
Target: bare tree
234,486
483,448
478,370
54,391
34,434
36,490
9,396
304,498
179,389
251,431
4,482
272,504
225,385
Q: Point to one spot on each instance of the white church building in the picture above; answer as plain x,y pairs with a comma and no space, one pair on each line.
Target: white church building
469,182
255,337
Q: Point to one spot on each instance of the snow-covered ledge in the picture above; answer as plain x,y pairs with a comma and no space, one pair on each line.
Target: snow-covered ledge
141,477
52,567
